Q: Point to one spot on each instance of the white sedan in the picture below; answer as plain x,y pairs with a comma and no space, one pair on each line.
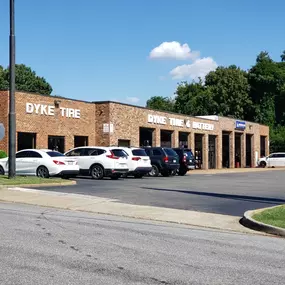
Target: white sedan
42,163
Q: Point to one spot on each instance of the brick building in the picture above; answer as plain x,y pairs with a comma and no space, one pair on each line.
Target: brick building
60,123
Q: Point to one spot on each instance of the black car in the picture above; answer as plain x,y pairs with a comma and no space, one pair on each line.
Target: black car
186,160
164,160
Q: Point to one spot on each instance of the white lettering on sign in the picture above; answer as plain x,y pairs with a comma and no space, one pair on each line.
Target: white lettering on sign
29,108
161,120
203,126
48,110
176,122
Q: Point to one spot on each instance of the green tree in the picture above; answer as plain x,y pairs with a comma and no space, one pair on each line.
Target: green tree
160,103
267,83
194,99
230,91
277,139
3,82
27,80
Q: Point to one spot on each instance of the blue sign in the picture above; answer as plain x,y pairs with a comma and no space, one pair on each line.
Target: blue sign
2,131
240,125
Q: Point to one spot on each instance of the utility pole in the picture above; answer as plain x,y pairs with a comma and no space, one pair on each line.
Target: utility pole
12,115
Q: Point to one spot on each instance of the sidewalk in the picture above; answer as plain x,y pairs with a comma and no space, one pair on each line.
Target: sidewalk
232,170
98,205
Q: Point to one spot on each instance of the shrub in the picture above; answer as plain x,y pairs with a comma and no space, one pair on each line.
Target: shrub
3,154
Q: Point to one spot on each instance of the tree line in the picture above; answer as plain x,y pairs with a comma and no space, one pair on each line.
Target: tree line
256,95
26,80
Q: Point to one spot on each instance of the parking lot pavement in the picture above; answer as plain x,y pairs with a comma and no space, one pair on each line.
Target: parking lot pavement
229,194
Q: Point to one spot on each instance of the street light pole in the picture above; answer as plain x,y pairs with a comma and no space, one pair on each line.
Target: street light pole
12,115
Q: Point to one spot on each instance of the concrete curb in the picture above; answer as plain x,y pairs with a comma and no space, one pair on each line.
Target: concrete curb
67,183
98,205
249,222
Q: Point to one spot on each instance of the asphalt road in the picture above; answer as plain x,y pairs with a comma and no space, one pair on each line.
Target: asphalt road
50,247
229,194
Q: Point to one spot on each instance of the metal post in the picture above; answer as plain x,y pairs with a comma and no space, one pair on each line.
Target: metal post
12,115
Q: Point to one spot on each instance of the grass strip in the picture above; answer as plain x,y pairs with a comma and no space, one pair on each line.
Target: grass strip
19,180
274,217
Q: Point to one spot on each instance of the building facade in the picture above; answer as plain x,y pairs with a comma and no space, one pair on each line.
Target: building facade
60,123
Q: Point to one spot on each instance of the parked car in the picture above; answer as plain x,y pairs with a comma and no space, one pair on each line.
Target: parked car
99,162
273,160
186,160
42,163
138,161
164,160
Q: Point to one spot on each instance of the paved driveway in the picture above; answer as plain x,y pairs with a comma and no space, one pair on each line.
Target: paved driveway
230,194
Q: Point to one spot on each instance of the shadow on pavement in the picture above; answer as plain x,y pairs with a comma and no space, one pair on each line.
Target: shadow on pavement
273,201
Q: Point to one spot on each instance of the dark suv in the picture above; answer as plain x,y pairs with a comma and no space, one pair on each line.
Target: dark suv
186,160
163,160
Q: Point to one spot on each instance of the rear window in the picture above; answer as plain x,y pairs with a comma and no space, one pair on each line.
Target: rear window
119,152
54,153
189,153
139,152
170,152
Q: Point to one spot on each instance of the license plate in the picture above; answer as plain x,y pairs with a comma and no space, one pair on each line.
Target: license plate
70,163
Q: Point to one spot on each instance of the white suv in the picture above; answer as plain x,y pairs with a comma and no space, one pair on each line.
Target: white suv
99,162
138,161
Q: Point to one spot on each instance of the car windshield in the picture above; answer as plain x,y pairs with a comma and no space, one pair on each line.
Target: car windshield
170,152
54,153
139,152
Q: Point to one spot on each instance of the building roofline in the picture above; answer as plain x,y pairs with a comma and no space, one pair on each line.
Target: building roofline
50,96
174,113
131,105
146,108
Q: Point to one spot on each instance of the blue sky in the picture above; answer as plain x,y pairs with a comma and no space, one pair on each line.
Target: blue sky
100,50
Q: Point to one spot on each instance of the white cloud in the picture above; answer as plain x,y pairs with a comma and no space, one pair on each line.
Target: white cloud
173,50
133,99
199,68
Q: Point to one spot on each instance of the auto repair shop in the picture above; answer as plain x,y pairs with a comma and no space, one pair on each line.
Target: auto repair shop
62,123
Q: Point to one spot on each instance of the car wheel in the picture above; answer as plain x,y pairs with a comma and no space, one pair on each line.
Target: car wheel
154,171
42,172
2,172
138,175
262,164
97,172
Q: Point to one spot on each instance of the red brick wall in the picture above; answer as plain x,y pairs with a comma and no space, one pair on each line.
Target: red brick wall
57,125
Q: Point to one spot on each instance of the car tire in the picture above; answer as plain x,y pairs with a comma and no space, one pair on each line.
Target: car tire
262,164
42,172
154,172
2,172
97,172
